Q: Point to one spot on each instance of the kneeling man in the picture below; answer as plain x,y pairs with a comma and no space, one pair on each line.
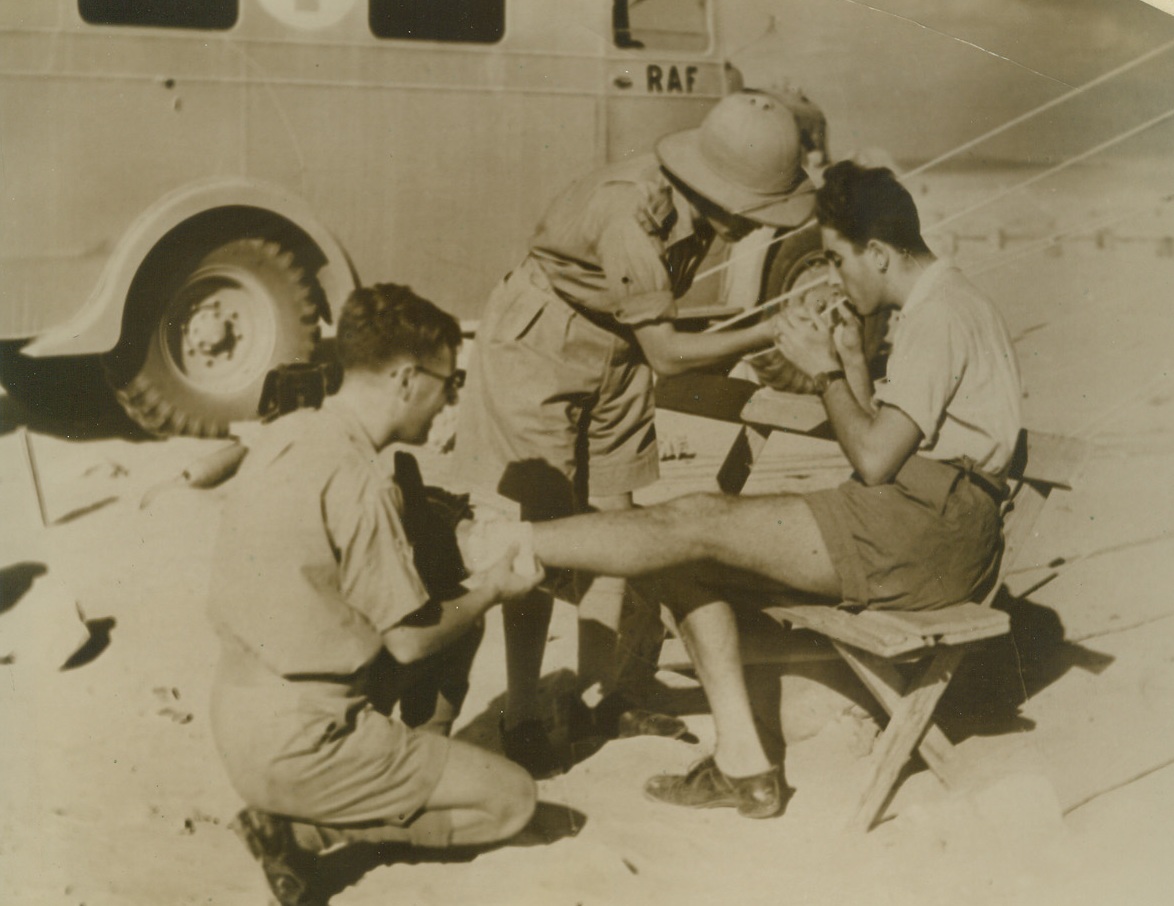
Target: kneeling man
325,623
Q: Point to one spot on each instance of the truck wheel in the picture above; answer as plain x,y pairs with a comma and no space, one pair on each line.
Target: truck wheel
200,339
796,261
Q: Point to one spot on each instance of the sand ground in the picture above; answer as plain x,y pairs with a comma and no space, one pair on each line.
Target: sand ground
113,793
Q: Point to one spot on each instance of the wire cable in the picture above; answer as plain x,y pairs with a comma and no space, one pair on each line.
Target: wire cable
965,146
1063,165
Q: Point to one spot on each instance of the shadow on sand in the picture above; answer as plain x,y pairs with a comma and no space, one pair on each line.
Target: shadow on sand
556,692
342,868
995,681
65,397
18,579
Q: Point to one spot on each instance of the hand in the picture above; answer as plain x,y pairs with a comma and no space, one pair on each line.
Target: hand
764,331
806,341
511,576
848,336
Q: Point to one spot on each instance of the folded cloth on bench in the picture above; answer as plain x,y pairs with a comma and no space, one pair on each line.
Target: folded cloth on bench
927,539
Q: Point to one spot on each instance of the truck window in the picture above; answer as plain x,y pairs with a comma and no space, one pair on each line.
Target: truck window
470,21
205,14
660,24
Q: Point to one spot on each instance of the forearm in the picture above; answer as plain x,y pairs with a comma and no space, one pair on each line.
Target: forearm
859,380
670,351
877,441
408,642
850,420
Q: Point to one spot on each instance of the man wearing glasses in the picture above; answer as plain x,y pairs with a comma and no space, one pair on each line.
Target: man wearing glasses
325,623
452,382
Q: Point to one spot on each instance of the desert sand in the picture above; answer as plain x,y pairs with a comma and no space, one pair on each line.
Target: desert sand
113,793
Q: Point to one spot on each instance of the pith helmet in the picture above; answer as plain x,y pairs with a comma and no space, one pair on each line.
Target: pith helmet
745,157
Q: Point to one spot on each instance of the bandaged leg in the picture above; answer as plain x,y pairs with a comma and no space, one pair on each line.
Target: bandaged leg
484,540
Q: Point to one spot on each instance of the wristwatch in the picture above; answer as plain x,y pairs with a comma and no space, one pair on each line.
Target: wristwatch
824,379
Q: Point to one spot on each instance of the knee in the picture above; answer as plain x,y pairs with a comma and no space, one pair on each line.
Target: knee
686,505
692,519
514,802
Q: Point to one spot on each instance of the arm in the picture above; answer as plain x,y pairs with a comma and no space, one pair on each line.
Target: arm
415,637
670,351
848,339
877,441
639,281
378,578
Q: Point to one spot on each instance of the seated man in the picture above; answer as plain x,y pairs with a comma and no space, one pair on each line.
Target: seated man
916,527
325,623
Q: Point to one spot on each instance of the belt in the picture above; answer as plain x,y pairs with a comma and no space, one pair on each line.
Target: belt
600,319
995,487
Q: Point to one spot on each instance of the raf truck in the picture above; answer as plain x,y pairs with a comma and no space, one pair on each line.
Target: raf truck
191,189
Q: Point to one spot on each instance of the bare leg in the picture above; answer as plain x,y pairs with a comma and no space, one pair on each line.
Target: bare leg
773,535
487,797
599,617
481,798
711,635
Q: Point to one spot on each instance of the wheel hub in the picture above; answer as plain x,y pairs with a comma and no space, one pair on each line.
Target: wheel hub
211,333
817,298
221,333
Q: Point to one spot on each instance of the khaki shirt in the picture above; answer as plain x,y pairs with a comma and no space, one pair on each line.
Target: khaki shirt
621,242
312,564
953,371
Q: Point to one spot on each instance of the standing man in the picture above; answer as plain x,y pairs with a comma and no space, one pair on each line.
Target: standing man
325,624
916,527
559,411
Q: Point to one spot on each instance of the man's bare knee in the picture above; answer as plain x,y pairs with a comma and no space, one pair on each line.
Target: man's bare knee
689,520
514,802
698,503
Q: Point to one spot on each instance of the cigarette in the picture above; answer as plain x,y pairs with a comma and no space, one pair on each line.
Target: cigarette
837,304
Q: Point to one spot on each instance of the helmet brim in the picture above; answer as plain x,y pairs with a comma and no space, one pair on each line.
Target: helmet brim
680,154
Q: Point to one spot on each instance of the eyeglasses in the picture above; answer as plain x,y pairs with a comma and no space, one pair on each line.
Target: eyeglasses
452,382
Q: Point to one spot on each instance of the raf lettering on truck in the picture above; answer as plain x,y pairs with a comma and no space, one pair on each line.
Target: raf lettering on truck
662,82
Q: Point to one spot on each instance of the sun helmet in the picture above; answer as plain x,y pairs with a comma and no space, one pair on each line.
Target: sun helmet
746,157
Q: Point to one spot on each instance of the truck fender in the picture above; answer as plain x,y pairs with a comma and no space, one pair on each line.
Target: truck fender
97,326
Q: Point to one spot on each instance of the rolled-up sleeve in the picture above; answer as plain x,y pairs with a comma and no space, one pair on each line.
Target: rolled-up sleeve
377,576
922,381
636,275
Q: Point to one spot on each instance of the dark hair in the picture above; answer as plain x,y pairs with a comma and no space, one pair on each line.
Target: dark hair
863,203
383,322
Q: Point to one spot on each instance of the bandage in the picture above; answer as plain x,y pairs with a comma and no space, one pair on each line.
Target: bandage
484,541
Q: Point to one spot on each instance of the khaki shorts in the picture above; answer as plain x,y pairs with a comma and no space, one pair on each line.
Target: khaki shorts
319,751
928,539
556,407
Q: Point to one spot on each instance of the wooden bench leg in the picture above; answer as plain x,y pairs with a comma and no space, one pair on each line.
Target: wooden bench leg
735,470
907,726
887,686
